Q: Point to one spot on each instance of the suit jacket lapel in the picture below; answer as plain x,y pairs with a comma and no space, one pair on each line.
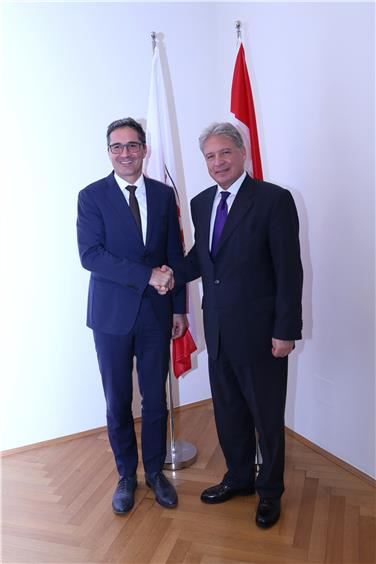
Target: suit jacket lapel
152,203
202,223
243,202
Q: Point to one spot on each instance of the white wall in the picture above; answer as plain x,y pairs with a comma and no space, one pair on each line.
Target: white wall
313,76
70,69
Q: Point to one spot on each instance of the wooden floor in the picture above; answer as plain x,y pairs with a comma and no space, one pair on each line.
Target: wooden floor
56,504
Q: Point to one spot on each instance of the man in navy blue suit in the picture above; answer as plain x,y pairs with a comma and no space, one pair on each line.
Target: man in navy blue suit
247,252
127,226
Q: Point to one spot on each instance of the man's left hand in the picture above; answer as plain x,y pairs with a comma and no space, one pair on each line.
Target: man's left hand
280,348
179,325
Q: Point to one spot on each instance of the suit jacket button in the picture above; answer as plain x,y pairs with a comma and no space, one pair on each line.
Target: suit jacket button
217,281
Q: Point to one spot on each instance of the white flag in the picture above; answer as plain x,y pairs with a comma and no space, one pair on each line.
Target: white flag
160,161
161,165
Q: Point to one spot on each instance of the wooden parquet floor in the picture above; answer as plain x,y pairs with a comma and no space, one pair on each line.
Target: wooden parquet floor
56,507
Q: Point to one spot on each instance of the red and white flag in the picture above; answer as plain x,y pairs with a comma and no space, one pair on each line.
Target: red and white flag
244,113
161,165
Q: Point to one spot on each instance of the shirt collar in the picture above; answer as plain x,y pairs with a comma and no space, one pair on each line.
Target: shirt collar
234,188
123,184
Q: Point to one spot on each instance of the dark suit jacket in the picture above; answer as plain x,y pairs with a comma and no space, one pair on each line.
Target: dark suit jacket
252,289
112,249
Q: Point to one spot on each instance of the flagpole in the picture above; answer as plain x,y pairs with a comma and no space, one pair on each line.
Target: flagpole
258,456
180,454
153,40
238,25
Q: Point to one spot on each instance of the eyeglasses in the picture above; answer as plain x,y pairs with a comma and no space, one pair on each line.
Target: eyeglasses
132,147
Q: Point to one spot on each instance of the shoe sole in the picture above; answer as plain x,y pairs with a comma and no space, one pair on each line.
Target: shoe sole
166,506
267,525
242,493
122,512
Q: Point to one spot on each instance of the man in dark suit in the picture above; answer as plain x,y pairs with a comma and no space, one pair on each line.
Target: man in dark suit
128,225
252,285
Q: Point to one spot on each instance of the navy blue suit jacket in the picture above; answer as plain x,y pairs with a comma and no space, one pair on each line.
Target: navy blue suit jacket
252,289
111,248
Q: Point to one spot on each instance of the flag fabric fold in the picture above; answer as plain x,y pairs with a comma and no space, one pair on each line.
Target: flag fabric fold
160,161
161,165
182,348
243,109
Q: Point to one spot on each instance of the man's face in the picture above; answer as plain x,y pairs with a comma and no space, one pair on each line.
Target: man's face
128,163
225,161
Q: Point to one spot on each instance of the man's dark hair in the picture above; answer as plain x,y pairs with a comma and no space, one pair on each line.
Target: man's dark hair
127,122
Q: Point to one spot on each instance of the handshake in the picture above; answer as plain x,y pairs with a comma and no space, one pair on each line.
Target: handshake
162,279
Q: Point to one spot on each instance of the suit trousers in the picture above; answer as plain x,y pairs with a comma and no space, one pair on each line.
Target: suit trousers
246,396
149,342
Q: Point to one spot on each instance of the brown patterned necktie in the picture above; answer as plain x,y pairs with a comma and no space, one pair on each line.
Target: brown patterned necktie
133,204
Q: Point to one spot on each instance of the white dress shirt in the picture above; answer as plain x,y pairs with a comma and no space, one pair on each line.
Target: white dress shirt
232,190
141,198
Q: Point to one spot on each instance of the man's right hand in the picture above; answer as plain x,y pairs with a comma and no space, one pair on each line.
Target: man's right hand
162,279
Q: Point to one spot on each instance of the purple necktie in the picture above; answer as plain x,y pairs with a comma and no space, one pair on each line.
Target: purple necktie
220,220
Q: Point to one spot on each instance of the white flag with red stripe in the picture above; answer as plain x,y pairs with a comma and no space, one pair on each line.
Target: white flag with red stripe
243,110
161,165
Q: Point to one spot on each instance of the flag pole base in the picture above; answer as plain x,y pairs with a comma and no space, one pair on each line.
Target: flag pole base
183,455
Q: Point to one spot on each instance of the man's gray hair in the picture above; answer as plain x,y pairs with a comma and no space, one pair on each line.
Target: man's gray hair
225,128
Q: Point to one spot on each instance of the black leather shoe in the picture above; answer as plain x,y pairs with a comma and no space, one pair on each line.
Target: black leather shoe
165,493
123,498
268,512
222,492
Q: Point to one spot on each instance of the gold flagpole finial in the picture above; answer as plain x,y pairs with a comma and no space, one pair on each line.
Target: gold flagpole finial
153,40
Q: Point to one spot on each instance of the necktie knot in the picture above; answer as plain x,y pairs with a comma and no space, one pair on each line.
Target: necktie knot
131,189
223,201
